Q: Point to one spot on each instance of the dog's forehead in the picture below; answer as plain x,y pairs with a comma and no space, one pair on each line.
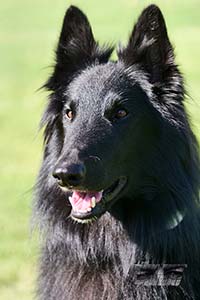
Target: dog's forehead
97,81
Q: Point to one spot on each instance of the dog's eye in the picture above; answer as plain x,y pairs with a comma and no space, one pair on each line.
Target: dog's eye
69,114
121,113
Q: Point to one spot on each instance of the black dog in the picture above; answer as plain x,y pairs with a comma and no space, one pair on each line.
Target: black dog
117,194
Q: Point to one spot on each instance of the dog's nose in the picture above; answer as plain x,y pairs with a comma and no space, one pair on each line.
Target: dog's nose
70,175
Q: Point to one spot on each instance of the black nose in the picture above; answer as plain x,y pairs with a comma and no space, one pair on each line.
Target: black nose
70,175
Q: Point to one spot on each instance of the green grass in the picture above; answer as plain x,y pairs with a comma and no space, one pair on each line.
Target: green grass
28,35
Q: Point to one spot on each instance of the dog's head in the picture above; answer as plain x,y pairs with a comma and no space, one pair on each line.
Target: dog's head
105,118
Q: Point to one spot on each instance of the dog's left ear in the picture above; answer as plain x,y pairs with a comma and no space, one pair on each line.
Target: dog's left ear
76,48
149,45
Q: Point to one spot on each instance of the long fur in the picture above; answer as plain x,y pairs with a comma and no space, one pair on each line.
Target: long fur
96,261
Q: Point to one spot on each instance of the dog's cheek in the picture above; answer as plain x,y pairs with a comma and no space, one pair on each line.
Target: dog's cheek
54,145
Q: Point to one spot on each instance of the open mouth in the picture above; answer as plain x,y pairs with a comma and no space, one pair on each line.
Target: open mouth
88,206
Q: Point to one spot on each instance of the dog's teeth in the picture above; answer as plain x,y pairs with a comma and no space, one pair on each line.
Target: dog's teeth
70,198
83,211
89,209
93,202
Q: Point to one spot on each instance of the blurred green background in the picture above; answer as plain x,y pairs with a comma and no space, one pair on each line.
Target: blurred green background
28,34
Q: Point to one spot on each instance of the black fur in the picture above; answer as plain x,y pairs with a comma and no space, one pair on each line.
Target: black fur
153,147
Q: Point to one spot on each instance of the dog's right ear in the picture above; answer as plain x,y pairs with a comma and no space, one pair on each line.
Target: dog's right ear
149,46
76,48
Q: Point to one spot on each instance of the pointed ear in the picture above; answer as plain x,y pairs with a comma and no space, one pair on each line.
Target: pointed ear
149,45
76,48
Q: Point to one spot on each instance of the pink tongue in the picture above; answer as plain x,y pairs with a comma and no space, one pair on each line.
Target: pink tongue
82,201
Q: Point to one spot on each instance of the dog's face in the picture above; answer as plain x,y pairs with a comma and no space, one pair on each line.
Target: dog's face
106,125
